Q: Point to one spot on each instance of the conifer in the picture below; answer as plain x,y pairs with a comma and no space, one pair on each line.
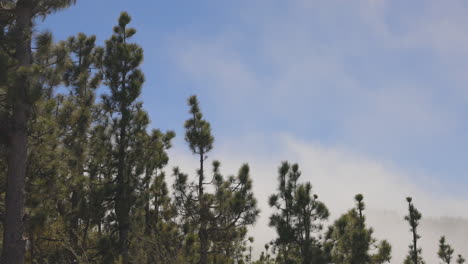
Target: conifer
120,65
350,241
23,89
298,218
413,218
212,217
445,251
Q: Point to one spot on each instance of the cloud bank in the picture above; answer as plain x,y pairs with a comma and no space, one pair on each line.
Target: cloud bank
337,175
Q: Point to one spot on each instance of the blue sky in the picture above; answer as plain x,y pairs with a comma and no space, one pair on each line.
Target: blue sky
371,86
382,78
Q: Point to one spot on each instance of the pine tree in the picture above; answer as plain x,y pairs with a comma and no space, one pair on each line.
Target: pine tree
363,239
23,90
198,135
460,259
445,251
120,65
158,210
350,241
298,217
413,218
283,202
265,257
211,216
76,118
309,211
45,188
48,170
101,171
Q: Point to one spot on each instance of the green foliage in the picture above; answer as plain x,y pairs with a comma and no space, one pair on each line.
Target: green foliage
349,241
445,251
119,63
413,218
43,8
265,256
197,130
74,185
298,218
26,110
217,219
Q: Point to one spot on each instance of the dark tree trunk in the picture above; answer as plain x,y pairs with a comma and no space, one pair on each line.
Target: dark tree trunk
415,239
307,243
203,232
122,208
13,240
149,257
73,231
31,246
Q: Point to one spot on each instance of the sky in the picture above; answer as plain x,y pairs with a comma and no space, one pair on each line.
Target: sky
367,96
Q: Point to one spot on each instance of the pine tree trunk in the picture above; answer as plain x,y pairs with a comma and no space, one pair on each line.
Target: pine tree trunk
31,246
122,207
148,216
13,241
415,239
203,232
203,245
73,232
77,171
123,231
307,243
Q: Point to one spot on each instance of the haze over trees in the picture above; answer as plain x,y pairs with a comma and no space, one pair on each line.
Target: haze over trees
83,177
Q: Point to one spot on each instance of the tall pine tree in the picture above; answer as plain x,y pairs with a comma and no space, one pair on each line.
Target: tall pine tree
298,220
22,90
413,218
120,65
76,119
445,251
211,216
350,241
